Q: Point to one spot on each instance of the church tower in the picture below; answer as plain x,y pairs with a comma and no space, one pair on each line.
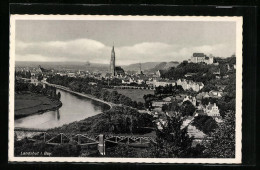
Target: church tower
112,62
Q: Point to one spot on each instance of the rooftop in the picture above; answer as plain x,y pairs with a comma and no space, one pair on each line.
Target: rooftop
198,55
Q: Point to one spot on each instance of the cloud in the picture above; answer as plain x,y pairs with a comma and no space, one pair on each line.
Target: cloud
97,52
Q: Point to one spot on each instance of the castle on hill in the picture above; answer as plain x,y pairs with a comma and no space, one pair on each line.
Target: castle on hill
201,58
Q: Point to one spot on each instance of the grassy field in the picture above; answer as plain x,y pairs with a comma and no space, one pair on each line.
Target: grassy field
29,103
134,94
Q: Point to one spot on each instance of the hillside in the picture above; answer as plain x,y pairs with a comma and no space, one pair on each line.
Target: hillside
150,66
163,66
136,66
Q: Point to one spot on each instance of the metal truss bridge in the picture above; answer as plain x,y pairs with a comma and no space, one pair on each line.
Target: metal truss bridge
84,139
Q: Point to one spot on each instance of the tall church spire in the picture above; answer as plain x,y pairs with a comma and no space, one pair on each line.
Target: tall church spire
112,61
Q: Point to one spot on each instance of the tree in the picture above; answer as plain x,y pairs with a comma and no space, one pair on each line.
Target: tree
187,108
172,141
44,91
59,95
140,106
208,88
205,123
134,104
173,106
105,94
222,143
114,97
165,108
40,77
206,100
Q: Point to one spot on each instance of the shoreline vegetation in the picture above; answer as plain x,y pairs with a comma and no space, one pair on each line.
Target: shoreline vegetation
27,104
34,99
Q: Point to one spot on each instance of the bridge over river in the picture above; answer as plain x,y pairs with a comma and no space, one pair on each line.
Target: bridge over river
82,139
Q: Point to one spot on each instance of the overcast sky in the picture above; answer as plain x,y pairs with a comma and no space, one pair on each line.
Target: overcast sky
135,41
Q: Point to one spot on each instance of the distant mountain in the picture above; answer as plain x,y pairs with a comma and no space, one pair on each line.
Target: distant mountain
147,67
164,66
66,65
136,66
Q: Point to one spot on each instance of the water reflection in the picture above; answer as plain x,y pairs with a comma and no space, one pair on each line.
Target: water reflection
58,114
74,108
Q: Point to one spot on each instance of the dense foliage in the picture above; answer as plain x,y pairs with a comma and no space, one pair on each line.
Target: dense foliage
202,72
186,109
115,120
39,89
23,74
222,143
205,123
168,89
173,141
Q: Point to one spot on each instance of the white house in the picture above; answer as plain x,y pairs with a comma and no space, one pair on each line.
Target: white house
212,110
188,84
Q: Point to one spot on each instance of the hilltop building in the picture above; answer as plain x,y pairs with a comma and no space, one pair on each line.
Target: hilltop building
201,58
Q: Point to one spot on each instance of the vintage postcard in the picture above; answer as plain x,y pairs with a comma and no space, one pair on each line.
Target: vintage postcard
142,89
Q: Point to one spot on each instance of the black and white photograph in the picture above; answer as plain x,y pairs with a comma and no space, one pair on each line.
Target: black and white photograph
153,89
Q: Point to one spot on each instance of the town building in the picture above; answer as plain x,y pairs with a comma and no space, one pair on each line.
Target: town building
34,80
190,74
215,94
189,84
169,99
212,94
159,103
212,110
201,58
163,83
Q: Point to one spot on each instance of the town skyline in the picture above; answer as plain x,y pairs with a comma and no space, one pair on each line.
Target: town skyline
57,41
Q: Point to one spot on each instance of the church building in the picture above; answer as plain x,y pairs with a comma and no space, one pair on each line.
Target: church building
115,71
113,62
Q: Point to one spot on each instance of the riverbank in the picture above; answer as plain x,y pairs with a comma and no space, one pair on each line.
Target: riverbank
27,103
91,97
80,94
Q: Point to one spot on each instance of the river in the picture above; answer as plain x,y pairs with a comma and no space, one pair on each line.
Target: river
74,108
